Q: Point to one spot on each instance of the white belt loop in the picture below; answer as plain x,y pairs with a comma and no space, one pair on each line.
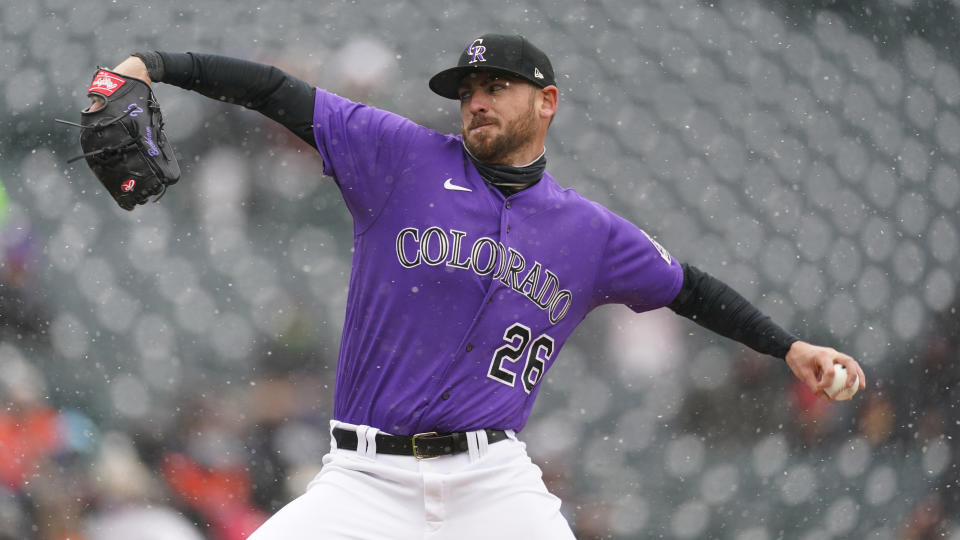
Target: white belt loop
371,436
362,440
473,447
333,440
482,443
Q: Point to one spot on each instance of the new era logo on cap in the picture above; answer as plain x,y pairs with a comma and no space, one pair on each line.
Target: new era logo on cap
496,52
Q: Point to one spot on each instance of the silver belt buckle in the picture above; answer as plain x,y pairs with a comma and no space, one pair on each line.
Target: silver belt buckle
416,453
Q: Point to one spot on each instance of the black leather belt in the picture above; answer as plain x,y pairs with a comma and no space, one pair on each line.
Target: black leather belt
421,445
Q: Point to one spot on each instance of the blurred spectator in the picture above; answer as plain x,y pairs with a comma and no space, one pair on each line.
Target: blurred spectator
43,452
288,434
925,520
14,519
211,473
220,494
142,523
30,429
127,499
22,315
936,396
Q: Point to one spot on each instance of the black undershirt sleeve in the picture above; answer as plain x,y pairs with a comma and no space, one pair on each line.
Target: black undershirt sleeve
715,306
260,87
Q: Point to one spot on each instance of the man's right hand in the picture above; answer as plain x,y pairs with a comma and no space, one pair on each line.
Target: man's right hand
813,365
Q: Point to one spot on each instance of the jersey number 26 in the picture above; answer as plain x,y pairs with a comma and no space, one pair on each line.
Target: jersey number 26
537,355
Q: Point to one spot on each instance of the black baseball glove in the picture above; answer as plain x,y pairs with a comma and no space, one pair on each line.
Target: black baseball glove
123,141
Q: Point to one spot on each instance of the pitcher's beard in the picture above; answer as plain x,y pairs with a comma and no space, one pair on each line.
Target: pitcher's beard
498,148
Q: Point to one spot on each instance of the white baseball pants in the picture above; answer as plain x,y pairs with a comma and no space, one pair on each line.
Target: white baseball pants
492,491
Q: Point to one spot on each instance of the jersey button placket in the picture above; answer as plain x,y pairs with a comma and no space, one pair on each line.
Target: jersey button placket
505,219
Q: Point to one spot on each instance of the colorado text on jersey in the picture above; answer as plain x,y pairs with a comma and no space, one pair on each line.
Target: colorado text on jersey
435,247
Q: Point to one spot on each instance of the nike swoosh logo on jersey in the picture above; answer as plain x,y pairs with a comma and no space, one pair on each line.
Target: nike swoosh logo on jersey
448,184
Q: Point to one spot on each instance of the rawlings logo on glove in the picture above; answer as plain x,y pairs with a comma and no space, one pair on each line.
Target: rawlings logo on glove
123,141
105,83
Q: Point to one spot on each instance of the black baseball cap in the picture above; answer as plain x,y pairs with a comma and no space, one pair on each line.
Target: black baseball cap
496,52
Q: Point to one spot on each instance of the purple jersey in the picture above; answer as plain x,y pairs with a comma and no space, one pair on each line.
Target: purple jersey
460,298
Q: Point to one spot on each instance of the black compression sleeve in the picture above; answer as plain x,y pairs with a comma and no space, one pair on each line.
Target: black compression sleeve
153,62
263,88
712,304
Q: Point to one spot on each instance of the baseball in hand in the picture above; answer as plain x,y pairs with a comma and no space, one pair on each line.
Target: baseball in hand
836,391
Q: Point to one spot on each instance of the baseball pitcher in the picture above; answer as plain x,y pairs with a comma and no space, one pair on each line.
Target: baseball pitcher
471,268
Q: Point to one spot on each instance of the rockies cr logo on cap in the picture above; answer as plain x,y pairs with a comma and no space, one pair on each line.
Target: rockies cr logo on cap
513,55
476,50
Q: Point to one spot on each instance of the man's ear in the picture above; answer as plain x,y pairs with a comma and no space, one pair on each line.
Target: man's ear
548,101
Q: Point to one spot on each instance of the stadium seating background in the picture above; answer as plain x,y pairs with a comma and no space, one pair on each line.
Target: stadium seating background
808,157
